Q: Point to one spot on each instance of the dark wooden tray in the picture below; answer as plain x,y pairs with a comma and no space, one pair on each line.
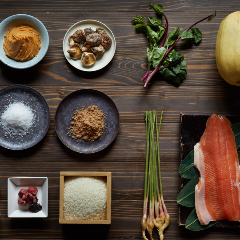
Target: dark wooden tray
191,130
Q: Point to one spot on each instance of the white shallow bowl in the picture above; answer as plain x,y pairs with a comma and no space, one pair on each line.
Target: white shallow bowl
18,20
102,60
15,184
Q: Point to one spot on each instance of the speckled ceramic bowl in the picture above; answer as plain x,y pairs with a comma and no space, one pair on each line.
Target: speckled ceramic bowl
18,20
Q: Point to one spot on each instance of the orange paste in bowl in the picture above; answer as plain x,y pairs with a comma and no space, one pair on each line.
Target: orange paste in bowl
22,43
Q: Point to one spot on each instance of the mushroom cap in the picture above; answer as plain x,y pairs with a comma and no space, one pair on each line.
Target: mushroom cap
86,47
75,52
71,41
94,39
100,31
88,59
106,41
79,36
88,31
98,49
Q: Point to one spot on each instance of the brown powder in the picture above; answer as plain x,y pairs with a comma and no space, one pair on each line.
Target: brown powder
87,124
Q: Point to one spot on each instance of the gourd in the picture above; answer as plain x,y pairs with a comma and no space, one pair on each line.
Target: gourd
228,49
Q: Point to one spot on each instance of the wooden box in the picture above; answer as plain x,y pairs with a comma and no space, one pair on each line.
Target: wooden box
64,175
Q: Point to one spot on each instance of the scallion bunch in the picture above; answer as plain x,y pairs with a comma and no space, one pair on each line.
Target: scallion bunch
153,194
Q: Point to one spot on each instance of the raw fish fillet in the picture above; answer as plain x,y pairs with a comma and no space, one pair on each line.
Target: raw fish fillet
216,158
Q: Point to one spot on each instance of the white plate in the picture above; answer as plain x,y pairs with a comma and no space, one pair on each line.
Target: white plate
15,184
102,60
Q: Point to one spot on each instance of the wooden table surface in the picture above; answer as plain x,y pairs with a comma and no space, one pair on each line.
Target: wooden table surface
203,91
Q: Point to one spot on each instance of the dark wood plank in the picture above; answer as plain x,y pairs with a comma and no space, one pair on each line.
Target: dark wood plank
126,217
114,6
129,63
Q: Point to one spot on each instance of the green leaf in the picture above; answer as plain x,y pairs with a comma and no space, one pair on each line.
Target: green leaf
152,36
212,16
197,35
149,54
186,35
175,67
158,54
155,22
160,32
157,8
173,58
236,131
186,196
172,37
193,224
138,19
139,25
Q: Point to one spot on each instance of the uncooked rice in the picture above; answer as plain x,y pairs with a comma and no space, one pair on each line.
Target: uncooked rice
85,198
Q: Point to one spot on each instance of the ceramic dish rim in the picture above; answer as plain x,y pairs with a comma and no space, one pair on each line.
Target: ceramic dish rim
69,147
113,44
48,115
42,51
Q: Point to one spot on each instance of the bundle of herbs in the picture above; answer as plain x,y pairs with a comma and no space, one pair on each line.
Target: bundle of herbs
162,57
153,193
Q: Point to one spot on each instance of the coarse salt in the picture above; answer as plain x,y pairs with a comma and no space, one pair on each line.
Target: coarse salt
17,119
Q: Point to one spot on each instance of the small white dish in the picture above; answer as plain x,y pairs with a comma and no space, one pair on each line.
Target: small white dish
37,25
102,60
15,184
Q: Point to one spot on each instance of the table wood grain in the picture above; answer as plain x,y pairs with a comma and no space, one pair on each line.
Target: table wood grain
203,91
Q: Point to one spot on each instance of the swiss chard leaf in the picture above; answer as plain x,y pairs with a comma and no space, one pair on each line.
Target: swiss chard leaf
173,58
193,224
138,19
160,32
186,196
175,67
172,37
149,54
152,36
186,168
157,8
155,22
158,54
139,25
186,35
197,35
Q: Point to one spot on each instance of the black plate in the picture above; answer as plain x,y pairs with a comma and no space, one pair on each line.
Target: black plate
76,100
32,98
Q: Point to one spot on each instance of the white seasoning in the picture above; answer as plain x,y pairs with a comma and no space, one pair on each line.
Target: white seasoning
85,198
17,118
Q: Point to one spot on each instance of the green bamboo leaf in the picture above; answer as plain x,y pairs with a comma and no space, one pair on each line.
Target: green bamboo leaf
186,168
193,224
236,131
186,197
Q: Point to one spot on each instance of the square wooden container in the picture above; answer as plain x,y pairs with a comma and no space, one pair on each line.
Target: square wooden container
108,175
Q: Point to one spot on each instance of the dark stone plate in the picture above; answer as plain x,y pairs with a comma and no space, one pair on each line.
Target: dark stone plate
75,101
38,104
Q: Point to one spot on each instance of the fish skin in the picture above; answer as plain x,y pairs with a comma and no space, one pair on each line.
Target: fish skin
217,195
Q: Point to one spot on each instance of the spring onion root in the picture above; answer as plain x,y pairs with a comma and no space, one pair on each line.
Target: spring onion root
157,214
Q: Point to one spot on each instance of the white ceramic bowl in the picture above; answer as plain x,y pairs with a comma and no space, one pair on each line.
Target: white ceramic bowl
15,184
18,20
103,59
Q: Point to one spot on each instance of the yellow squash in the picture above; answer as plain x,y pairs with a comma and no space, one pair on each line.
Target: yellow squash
228,49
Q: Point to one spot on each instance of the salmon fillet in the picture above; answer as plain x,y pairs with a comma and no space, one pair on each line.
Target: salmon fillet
216,158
